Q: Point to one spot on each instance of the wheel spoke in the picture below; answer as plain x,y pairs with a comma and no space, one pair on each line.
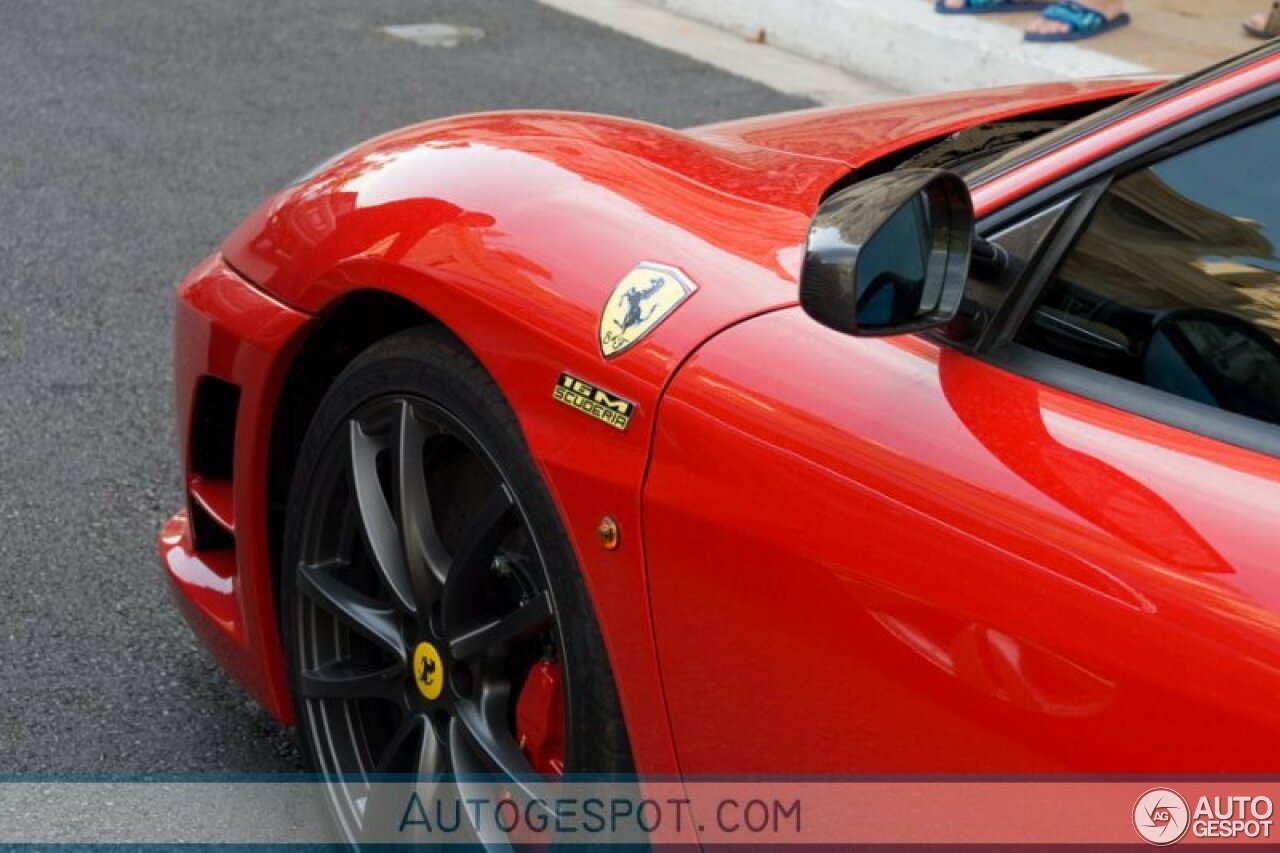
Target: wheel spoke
432,759
482,730
377,525
366,616
385,802
348,680
484,725
431,763
467,768
414,756
470,564
382,812
425,555
400,753
532,617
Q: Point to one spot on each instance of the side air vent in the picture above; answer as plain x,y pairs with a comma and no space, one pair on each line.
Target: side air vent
210,496
213,428
208,531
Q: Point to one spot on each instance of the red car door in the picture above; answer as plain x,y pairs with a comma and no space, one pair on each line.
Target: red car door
1061,554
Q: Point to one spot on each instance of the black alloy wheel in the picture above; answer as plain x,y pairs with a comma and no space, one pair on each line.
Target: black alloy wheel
424,575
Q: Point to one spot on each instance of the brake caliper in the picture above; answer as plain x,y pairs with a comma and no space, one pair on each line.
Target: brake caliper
540,718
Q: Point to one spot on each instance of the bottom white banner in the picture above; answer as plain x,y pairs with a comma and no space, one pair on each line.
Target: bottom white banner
722,811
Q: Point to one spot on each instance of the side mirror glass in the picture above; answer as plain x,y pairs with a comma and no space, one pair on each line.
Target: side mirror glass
890,254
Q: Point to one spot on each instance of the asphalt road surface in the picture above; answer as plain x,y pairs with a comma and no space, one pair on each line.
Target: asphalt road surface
133,136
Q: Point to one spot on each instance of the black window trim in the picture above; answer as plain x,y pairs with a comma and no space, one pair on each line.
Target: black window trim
1191,130
1022,298
997,346
1138,399
1130,107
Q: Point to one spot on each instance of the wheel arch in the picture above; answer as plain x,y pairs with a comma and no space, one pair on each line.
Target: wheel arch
341,332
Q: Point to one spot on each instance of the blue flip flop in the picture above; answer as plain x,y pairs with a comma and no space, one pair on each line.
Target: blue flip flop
983,7
1083,22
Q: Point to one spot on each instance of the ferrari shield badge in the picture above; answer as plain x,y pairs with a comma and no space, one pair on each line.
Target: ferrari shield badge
639,302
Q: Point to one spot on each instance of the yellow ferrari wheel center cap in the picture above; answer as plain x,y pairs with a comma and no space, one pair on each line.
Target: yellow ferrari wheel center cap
428,671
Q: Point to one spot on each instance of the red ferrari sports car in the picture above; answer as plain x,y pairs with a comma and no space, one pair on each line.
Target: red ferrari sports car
929,436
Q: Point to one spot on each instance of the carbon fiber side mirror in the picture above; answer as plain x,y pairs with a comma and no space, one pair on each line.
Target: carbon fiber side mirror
890,254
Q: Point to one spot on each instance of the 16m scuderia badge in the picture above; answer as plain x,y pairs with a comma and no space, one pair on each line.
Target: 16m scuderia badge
639,302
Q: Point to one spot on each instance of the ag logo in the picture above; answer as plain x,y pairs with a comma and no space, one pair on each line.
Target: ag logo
1161,816
428,671
639,302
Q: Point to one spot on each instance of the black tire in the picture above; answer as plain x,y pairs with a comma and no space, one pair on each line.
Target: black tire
418,379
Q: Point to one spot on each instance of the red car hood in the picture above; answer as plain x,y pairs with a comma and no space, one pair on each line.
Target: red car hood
859,135
747,187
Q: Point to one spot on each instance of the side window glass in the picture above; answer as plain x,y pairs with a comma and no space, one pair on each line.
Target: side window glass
1175,282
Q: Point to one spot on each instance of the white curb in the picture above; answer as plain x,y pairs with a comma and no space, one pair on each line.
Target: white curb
903,43
781,70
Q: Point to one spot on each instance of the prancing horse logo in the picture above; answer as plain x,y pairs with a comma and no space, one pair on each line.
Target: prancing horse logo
635,298
638,303
427,672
